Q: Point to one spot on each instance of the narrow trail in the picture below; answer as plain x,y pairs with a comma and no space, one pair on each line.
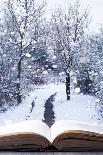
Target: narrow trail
49,115
31,108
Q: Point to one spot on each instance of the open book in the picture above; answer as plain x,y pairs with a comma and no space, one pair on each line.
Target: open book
63,135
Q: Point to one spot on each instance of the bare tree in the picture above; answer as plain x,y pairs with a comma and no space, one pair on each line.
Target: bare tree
23,24
67,32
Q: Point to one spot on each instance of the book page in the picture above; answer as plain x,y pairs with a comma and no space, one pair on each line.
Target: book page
34,126
64,125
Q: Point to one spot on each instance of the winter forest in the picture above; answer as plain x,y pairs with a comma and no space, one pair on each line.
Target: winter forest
51,68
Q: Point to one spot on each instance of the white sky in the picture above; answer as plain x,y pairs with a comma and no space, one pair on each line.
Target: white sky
96,10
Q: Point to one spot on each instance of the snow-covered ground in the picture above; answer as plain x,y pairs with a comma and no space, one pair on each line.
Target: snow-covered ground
80,107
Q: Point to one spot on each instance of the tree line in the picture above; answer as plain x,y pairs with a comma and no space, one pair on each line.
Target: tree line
32,46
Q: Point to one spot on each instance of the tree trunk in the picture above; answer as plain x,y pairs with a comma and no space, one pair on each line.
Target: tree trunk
18,84
18,94
19,73
68,85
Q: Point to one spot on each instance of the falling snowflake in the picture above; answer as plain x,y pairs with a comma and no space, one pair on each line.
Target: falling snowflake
4,55
54,66
45,72
12,33
29,66
101,72
75,81
54,57
77,90
28,55
97,100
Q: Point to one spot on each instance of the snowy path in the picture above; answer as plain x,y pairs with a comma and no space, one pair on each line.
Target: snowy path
80,107
20,113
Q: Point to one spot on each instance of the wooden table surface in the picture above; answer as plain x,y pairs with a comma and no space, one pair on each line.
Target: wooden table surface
51,153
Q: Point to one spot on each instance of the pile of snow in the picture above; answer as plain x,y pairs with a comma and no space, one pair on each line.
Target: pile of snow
80,107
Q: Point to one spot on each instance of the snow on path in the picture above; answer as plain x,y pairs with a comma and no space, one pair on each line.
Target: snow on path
80,107
21,113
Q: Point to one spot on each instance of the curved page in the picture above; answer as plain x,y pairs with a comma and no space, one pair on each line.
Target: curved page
34,126
65,125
